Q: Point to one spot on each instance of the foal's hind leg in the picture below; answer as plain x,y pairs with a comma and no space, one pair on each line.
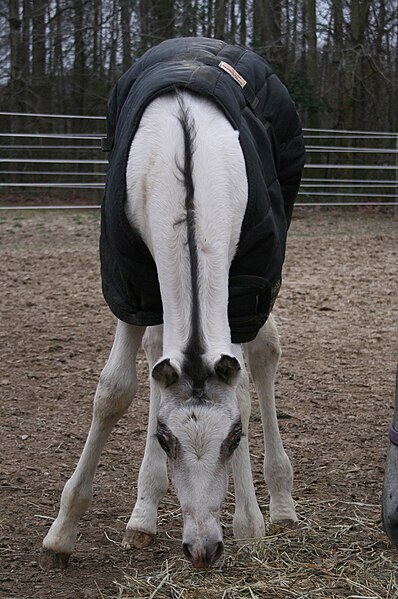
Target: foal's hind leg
115,391
153,479
263,356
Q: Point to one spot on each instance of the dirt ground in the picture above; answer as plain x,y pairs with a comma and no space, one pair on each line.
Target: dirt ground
335,387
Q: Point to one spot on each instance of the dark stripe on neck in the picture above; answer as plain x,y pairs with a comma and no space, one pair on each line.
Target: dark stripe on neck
193,366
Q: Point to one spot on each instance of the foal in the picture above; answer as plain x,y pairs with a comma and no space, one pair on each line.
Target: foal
187,192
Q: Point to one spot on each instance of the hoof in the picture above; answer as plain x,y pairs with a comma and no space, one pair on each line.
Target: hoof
50,560
281,526
255,529
136,538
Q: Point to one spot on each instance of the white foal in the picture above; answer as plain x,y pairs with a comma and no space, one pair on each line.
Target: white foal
186,195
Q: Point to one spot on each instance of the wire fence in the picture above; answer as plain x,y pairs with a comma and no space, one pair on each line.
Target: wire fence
55,160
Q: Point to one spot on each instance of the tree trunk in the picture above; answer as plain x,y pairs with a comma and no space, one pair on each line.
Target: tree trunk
79,64
97,62
338,66
16,83
112,74
145,14
187,18
38,42
126,10
355,68
25,41
242,26
291,44
220,19
232,22
267,35
312,71
164,19
195,18
311,58
59,59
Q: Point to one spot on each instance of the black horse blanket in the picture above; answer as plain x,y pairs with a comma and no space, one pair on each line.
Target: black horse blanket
257,105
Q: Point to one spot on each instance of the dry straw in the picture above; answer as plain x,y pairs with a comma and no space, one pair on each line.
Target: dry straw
339,550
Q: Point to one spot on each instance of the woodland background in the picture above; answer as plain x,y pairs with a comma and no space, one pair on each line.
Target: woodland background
338,58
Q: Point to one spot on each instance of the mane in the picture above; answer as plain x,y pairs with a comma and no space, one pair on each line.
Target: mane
194,366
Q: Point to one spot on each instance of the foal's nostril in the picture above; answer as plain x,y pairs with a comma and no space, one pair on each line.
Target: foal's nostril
214,552
220,549
186,550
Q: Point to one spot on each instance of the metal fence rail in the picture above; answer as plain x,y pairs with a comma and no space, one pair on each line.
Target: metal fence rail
57,154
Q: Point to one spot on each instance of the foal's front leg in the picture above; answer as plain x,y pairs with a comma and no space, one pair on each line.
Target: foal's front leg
263,356
248,520
115,391
153,480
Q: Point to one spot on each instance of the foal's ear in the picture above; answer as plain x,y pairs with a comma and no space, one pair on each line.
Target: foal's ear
227,369
165,373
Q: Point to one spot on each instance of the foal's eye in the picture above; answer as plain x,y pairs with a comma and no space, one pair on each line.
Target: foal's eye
235,442
163,442
229,446
167,441
232,441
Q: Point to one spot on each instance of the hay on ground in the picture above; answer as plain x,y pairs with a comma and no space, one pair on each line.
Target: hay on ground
339,550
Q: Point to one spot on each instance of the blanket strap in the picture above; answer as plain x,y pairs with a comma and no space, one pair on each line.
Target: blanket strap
106,144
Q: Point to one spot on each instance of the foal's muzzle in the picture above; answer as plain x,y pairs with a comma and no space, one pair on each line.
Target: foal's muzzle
202,540
204,556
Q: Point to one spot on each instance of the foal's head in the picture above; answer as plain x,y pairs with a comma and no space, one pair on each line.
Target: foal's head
199,428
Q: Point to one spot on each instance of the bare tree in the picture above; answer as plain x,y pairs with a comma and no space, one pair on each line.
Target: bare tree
267,32
242,24
79,60
338,57
126,7
311,56
220,14
15,25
